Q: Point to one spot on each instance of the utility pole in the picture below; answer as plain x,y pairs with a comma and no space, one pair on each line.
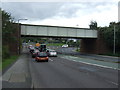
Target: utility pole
114,40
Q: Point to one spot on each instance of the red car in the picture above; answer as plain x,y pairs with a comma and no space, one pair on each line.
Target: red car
42,56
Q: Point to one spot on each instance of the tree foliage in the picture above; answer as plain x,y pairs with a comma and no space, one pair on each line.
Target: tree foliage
93,25
7,32
7,26
108,34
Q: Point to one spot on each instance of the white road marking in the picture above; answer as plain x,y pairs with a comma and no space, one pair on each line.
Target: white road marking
50,59
115,83
0,78
99,65
94,64
112,82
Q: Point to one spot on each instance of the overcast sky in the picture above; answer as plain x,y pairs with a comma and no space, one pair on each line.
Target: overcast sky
72,14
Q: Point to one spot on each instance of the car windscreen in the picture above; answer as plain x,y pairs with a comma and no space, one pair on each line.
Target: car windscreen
42,54
36,51
32,48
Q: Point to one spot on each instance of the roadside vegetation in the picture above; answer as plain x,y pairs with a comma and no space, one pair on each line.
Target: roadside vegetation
78,49
7,32
8,61
111,54
107,33
8,39
55,44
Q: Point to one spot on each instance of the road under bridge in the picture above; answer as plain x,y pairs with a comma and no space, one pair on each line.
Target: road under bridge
91,41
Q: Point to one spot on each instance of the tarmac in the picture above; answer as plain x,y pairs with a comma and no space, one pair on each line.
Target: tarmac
18,75
101,57
72,51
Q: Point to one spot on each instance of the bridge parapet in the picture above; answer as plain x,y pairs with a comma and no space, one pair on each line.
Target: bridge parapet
57,31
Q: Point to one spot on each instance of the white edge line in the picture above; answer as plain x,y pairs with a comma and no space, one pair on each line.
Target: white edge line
99,66
95,64
114,83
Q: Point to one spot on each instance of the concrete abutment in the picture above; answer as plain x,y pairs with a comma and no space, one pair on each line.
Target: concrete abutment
94,46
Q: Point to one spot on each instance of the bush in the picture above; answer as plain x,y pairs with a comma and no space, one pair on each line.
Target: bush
108,35
5,52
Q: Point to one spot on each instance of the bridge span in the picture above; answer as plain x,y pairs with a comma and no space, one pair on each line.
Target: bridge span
57,31
91,40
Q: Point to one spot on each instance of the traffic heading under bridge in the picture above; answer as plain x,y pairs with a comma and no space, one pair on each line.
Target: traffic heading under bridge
91,41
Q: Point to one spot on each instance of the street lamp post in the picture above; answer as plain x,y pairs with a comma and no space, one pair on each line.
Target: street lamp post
21,19
114,41
19,35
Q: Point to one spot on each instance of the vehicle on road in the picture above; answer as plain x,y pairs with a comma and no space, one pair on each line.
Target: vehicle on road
35,53
51,53
30,46
65,45
37,47
32,49
42,48
37,44
42,56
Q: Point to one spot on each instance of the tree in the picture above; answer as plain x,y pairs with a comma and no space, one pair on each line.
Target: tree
7,31
93,25
7,26
108,35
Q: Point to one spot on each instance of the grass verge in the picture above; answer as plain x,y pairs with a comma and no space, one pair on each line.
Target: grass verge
111,54
55,44
78,50
8,61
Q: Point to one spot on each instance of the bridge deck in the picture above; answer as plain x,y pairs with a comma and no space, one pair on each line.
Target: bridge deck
57,31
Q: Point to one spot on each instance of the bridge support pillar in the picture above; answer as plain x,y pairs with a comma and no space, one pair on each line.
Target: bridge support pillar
94,46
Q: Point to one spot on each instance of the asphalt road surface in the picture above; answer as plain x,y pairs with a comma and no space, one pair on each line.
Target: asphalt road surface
63,73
